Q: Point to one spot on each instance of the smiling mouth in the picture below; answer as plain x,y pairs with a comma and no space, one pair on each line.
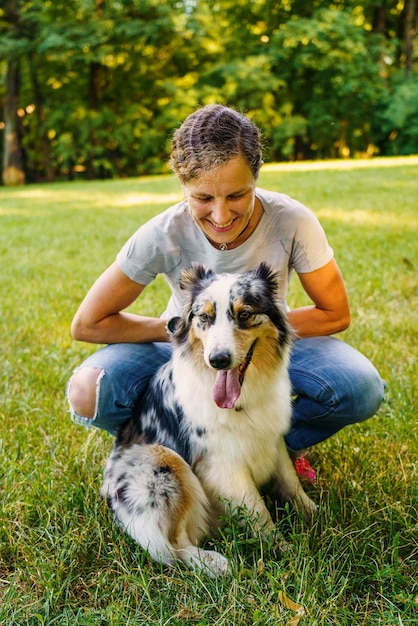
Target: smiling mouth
222,226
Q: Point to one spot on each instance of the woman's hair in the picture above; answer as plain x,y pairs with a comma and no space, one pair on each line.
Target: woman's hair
210,137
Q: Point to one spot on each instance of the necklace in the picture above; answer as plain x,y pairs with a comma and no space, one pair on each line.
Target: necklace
224,246
251,224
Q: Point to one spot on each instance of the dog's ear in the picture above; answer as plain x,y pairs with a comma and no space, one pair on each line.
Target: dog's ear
192,280
269,290
268,276
178,328
196,274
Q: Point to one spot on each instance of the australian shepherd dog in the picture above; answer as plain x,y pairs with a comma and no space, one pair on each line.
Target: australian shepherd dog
209,432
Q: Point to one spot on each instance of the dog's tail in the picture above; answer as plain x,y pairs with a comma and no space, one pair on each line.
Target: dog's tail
157,500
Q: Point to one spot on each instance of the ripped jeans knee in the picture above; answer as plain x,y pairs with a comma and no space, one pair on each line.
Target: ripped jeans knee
105,390
83,392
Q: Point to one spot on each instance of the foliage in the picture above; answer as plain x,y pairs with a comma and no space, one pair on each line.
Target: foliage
400,119
104,83
328,68
62,559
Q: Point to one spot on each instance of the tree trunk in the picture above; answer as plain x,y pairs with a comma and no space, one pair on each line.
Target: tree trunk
40,113
13,172
94,96
379,18
409,35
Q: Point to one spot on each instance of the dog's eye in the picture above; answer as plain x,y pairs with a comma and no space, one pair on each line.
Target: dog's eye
204,317
244,316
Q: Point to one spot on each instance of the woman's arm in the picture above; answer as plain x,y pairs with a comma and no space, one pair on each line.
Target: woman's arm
330,312
100,319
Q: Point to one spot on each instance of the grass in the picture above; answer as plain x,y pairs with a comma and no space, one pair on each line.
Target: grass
63,561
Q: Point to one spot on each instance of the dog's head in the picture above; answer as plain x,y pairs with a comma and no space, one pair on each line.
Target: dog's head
233,321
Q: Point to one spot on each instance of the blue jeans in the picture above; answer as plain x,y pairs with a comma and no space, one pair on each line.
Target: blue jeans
333,385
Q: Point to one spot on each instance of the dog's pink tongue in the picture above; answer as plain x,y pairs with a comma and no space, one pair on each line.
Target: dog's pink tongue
227,388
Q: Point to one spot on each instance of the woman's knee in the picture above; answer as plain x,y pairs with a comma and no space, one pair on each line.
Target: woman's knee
361,395
373,393
340,383
82,391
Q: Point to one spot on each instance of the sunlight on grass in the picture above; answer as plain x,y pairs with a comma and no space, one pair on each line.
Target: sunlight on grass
80,200
370,218
341,164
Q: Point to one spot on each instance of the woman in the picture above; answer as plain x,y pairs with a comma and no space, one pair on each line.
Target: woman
228,224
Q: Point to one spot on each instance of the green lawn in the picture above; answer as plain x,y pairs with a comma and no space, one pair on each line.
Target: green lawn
63,561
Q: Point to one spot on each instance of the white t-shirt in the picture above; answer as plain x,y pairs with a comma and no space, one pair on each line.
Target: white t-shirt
288,237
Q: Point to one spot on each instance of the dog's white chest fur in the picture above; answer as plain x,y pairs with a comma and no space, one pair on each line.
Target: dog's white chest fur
247,435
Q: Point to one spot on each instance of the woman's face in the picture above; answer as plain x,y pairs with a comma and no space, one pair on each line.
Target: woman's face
222,202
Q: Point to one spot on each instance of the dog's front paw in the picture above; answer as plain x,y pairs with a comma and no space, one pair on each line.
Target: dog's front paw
212,563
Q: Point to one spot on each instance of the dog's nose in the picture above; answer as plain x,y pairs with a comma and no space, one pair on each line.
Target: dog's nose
220,360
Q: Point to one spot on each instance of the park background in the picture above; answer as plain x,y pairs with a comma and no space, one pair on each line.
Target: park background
94,88
93,92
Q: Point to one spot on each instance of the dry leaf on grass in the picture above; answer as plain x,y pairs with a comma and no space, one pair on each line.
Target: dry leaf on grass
289,604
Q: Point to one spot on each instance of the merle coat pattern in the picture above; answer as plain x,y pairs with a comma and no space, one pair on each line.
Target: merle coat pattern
209,431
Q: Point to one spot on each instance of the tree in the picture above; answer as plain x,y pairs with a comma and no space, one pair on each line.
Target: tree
330,68
13,171
113,72
97,86
410,30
